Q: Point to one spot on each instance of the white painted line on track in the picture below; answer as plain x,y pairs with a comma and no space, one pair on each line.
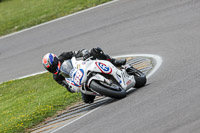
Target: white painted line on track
76,119
34,74
58,19
157,58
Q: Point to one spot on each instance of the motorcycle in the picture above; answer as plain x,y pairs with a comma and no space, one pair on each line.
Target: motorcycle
101,77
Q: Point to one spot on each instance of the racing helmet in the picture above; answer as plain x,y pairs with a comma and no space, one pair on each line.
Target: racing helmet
51,63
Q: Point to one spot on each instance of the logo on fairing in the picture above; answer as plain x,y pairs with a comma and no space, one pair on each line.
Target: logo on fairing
77,77
103,68
128,82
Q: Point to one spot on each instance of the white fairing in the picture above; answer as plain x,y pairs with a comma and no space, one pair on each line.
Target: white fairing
81,68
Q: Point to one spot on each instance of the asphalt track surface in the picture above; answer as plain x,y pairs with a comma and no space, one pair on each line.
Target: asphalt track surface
168,28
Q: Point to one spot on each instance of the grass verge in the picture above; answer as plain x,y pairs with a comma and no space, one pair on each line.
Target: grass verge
16,15
27,102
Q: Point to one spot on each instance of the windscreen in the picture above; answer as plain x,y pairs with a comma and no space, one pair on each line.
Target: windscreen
66,67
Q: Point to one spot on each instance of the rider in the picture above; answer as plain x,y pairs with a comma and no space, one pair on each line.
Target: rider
52,63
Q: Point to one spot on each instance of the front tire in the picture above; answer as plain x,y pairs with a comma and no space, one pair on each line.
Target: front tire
140,77
140,81
113,91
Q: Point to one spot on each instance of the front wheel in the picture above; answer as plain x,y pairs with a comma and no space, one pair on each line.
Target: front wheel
140,77
140,81
113,91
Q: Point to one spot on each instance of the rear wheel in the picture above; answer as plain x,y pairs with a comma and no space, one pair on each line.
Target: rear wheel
105,89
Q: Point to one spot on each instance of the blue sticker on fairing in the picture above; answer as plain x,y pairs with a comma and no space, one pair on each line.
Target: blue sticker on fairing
119,79
104,68
77,77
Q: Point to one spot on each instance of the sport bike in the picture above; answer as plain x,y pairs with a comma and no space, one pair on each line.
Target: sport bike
101,77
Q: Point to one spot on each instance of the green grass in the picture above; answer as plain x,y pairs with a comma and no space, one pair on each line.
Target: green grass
16,15
26,102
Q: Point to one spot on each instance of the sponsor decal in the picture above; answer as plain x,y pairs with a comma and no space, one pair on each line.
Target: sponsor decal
118,77
78,66
128,82
104,68
83,63
69,81
76,78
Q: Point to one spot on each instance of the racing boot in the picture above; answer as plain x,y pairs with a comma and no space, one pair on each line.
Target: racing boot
87,98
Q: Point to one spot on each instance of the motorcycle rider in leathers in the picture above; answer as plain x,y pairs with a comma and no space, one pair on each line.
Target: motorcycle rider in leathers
52,63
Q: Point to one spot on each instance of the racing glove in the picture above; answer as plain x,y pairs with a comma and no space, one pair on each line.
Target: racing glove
77,54
82,53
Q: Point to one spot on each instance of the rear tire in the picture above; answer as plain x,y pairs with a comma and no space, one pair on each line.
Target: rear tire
106,90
